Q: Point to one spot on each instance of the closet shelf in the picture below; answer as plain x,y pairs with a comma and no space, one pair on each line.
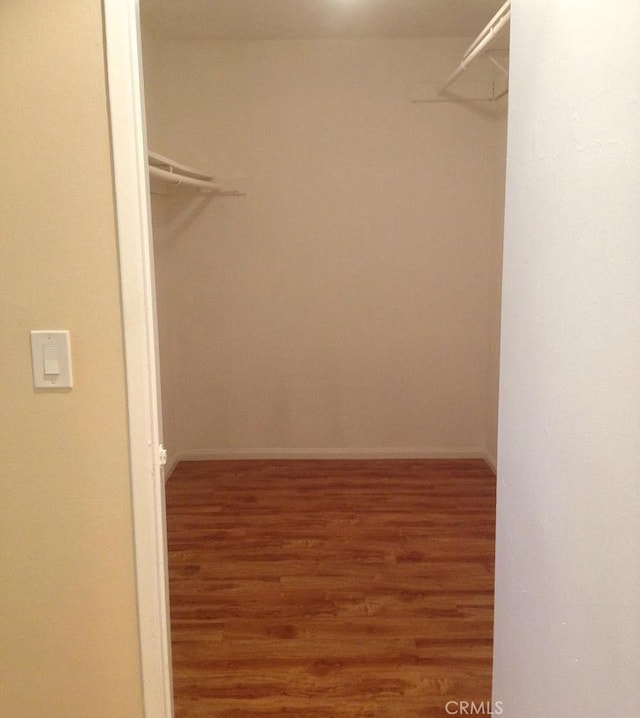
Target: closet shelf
171,174
474,91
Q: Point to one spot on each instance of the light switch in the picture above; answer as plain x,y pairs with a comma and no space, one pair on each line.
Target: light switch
51,359
51,356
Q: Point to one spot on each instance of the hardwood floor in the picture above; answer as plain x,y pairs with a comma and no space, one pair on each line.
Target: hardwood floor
330,589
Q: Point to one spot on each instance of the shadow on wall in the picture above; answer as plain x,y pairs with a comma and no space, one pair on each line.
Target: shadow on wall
174,214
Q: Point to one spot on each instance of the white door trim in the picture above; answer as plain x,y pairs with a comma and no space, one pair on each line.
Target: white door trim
128,143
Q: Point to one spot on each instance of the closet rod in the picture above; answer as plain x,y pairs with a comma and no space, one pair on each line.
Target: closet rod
495,25
178,179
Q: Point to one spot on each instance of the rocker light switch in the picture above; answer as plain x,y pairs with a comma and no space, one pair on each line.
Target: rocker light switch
51,359
51,356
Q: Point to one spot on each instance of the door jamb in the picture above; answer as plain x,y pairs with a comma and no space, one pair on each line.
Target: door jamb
128,145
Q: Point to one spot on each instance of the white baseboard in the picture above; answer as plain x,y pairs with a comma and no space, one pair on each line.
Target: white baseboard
491,461
332,453
171,465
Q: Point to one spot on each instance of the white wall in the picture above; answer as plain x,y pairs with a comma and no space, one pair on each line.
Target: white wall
567,639
349,301
68,620
495,290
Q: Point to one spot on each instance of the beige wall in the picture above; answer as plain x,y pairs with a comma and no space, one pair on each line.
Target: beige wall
346,302
68,624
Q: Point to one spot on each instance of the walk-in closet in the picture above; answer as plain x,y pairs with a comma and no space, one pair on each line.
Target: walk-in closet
327,197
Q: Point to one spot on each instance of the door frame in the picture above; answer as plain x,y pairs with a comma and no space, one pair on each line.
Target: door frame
137,282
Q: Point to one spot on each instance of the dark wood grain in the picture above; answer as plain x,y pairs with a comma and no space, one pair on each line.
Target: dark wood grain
330,589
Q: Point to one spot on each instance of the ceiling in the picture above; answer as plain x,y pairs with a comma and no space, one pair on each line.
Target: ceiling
275,19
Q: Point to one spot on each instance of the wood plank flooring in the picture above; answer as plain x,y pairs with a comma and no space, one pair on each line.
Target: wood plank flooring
330,589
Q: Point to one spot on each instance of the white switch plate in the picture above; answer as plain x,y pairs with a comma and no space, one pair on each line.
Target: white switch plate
51,359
